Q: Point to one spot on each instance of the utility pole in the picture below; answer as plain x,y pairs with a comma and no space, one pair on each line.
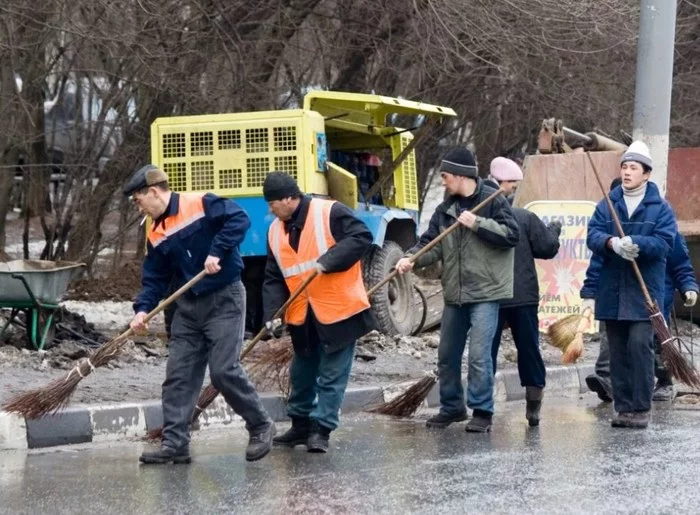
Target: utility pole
652,101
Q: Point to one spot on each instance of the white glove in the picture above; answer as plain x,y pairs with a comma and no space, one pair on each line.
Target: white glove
691,297
625,247
272,325
588,304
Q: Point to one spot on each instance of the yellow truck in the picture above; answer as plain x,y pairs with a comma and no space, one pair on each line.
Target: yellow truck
342,146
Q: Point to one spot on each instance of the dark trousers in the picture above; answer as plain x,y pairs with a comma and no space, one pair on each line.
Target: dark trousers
602,364
208,329
631,364
524,326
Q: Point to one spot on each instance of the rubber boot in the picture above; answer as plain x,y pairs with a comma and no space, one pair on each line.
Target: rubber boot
298,434
533,399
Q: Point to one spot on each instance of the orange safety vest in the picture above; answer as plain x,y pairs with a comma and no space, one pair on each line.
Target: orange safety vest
190,209
333,297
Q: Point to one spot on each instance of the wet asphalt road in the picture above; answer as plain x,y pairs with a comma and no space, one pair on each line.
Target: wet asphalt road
573,463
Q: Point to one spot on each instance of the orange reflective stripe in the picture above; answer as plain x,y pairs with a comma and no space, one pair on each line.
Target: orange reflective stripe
190,209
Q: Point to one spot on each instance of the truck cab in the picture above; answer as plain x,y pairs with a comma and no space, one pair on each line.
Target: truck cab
340,146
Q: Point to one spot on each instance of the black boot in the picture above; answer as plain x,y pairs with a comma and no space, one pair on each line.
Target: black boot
260,443
318,438
166,455
601,386
533,399
442,420
298,434
480,422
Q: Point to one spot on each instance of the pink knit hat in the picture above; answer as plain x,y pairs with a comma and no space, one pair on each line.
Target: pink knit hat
503,169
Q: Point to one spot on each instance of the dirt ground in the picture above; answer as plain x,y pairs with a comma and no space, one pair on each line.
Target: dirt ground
101,308
139,372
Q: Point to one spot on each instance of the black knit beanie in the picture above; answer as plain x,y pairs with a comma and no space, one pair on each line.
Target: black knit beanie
459,161
279,185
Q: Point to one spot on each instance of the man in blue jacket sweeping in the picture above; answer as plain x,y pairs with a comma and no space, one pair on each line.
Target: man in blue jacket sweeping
192,232
679,276
650,230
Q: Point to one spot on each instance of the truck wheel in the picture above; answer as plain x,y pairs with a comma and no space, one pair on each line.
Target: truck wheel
392,304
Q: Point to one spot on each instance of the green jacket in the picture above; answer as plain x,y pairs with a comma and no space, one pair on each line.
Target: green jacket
477,263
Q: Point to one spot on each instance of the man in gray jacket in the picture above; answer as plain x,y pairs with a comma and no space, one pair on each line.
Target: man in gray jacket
477,273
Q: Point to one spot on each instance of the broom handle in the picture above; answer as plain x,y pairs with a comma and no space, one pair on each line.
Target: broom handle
185,287
433,242
635,267
279,313
160,307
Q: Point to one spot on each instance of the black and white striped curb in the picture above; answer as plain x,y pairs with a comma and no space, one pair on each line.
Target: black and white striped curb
102,423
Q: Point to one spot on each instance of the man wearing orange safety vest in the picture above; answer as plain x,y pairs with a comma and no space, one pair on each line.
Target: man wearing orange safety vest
327,318
190,233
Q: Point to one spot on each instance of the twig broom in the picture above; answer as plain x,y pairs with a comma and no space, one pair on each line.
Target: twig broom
207,396
55,395
567,335
407,403
671,356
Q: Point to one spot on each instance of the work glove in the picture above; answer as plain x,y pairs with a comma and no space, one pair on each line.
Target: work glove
588,304
273,325
691,297
319,268
625,248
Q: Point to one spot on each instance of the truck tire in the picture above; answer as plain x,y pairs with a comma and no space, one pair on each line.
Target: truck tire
392,305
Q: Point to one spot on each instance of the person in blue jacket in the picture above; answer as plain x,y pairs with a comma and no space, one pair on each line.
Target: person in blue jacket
679,276
190,233
650,230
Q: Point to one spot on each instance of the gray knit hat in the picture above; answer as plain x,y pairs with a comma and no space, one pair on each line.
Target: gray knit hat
638,152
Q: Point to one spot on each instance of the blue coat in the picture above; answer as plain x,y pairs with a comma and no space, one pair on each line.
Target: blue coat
679,273
180,256
652,226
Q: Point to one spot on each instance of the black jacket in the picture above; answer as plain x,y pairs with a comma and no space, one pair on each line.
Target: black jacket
353,238
537,241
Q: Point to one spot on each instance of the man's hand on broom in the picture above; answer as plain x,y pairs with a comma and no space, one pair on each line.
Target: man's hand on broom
211,265
588,309
404,265
624,247
467,219
273,325
138,324
691,297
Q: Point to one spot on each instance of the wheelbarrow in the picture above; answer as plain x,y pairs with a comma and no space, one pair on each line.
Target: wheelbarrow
34,287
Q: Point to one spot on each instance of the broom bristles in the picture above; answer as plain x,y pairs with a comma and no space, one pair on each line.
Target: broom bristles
574,350
272,368
678,366
44,401
406,404
562,332
206,397
55,396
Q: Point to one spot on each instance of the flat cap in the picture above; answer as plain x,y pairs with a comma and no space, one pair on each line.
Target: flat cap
145,176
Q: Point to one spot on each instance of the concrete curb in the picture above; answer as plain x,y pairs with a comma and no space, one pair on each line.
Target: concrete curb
91,423
83,424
